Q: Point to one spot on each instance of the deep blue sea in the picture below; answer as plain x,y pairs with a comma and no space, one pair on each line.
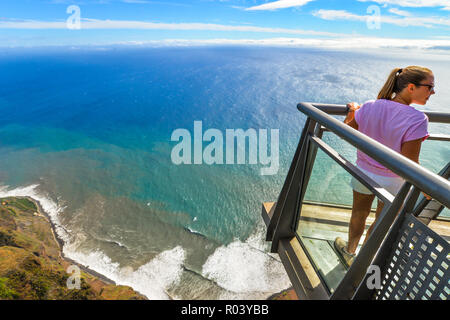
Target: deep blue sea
87,132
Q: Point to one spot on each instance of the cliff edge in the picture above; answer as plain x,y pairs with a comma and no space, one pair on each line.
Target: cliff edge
32,266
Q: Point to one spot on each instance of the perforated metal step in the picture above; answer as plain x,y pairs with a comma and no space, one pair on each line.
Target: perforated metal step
418,267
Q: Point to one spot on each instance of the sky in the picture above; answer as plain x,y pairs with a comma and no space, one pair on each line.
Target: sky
351,23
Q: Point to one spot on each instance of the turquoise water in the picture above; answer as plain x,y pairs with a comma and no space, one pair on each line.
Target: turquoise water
88,131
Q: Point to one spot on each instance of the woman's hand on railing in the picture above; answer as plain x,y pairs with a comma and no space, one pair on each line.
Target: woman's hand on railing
349,119
353,106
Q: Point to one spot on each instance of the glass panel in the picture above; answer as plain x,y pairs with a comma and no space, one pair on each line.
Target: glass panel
434,155
325,215
340,145
347,151
445,214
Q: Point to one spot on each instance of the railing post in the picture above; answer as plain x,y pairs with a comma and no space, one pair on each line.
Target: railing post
286,204
282,196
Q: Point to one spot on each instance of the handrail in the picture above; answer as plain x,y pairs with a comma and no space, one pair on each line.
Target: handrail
435,186
282,225
341,110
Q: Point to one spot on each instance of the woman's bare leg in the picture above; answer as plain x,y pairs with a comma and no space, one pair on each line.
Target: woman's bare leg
380,206
362,204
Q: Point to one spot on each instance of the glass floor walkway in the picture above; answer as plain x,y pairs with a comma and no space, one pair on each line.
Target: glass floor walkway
320,224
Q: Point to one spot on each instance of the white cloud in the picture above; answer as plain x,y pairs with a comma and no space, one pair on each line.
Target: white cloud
414,3
338,15
125,24
345,43
337,43
280,4
400,12
403,21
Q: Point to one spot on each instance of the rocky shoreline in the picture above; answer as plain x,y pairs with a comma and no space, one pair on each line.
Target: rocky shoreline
94,279
60,242
33,266
287,294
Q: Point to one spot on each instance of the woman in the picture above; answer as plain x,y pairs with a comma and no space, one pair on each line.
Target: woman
393,122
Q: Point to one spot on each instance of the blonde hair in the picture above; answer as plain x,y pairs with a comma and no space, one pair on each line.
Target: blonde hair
400,78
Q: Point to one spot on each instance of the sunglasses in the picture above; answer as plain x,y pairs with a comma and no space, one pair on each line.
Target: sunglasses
430,87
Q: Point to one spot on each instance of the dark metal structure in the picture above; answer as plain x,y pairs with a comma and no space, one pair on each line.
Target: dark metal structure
412,260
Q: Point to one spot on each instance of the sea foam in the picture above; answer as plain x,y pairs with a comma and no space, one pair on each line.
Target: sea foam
246,270
150,279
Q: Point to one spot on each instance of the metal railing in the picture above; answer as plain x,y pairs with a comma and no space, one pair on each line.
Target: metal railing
286,213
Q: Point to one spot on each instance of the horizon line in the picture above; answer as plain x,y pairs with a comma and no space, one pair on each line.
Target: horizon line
332,43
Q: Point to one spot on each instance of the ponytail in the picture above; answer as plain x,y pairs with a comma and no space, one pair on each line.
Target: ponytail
400,78
389,87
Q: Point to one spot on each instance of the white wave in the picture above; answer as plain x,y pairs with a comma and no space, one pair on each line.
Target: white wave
120,244
48,205
116,242
151,279
194,231
246,269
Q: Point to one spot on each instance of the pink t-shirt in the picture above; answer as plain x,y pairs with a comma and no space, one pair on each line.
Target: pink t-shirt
392,124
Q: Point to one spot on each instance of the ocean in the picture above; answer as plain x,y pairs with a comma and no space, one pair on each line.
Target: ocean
87,132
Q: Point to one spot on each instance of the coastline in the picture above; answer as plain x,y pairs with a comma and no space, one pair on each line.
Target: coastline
60,243
33,266
286,294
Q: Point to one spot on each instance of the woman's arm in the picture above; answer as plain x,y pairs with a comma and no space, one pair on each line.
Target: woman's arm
411,149
350,118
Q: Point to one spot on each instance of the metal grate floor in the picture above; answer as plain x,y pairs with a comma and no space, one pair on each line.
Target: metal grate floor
418,267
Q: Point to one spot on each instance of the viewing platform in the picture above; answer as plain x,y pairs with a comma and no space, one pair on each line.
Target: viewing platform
410,249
